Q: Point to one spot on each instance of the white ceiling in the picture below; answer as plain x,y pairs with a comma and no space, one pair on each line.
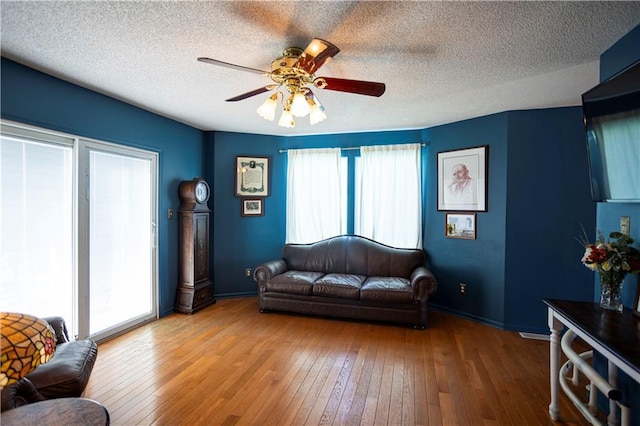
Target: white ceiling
441,61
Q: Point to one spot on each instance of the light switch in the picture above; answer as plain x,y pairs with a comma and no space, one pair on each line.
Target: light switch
624,225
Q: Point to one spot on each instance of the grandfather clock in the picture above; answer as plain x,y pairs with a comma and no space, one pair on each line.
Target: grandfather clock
195,289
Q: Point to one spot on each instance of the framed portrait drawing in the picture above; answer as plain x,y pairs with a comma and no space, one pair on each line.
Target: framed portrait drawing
460,225
252,207
462,179
252,176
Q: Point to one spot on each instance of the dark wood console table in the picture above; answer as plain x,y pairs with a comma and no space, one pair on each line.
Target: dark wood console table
615,335
62,411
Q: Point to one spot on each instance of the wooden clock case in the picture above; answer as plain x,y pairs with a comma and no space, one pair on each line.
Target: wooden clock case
195,289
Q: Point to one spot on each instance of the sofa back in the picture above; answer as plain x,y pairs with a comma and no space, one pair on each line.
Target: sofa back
352,254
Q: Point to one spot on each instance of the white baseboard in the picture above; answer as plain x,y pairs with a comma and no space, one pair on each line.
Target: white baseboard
535,336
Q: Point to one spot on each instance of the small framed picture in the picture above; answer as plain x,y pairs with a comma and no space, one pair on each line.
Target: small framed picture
252,176
252,207
636,303
462,179
460,225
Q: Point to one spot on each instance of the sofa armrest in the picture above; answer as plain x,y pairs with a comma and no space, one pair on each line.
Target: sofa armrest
18,394
60,327
423,283
266,271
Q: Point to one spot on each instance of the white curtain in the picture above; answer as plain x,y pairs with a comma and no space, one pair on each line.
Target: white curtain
314,195
388,195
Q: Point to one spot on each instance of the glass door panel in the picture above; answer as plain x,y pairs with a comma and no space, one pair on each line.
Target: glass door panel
121,240
36,228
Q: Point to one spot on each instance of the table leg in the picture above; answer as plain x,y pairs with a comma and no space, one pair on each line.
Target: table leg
554,364
612,372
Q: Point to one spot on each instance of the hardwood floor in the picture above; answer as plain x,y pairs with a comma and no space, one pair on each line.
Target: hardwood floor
230,364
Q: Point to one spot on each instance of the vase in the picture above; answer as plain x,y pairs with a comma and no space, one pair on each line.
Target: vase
611,290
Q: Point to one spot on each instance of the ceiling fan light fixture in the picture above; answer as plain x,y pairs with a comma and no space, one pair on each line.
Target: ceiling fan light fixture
295,71
317,115
316,46
316,111
286,119
268,109
299,105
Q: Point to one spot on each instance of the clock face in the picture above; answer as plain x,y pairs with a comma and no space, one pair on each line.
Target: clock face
202,192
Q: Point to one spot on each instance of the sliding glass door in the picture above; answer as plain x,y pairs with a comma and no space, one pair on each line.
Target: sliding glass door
77,235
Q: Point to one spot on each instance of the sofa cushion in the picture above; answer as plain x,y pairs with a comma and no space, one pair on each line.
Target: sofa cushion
387,289
352,254
344,286
294,282
67,373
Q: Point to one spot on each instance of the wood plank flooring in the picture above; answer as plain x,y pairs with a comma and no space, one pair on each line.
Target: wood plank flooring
229,364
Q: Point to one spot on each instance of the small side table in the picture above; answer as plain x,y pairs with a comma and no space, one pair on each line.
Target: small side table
61,411
615,335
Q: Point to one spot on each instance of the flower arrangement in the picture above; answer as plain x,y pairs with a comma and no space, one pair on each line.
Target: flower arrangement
615,255
613,260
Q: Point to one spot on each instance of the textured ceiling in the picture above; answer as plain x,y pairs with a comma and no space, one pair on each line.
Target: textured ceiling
441,61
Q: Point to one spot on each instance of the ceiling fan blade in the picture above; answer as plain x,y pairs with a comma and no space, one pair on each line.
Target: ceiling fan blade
317,53
234,66
252,93
369,88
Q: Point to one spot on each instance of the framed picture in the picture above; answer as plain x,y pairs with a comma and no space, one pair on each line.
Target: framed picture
252,176
252,207
462,179
636,303
460,225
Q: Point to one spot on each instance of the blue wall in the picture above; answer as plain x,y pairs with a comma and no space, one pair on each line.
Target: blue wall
240,242
538,199
548,205
479,263
31,97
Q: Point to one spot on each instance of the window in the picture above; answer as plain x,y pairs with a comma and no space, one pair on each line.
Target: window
388,206
618,137
316,195
387,195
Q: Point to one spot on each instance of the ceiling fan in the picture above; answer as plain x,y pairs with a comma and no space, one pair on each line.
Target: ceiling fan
295,71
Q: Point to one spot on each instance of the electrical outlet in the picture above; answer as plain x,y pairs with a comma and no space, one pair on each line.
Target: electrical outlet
463,288
247,272
624,225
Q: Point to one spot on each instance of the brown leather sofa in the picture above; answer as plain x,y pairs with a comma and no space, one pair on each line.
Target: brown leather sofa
65,375
348,277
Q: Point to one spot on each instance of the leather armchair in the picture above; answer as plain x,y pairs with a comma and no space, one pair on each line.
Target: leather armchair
65,376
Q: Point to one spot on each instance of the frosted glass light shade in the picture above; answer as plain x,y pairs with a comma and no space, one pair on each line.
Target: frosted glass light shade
268,109
286,119
317,115
299,106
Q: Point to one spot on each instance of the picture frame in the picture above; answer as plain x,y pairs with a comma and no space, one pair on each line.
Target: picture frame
636,301
252,207
462,179
252,176
460,225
